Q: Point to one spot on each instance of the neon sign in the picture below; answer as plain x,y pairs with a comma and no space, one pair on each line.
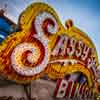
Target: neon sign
43,46
70,89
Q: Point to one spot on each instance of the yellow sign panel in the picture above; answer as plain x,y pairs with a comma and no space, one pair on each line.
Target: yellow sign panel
44,46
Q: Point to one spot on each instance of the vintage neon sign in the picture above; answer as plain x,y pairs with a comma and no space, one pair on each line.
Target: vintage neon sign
69,47
69,89
44,46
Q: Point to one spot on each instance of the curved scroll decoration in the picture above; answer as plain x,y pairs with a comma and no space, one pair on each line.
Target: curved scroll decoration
44,46
27,52
45,24
29,59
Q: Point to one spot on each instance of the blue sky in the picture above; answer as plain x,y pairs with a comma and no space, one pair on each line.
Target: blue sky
84,13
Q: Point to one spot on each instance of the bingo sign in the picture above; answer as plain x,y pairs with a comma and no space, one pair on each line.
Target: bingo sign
43,46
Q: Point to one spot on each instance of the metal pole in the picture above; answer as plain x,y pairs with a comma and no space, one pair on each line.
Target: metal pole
27,89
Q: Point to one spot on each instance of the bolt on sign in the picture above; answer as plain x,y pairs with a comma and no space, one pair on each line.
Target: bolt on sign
43,46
